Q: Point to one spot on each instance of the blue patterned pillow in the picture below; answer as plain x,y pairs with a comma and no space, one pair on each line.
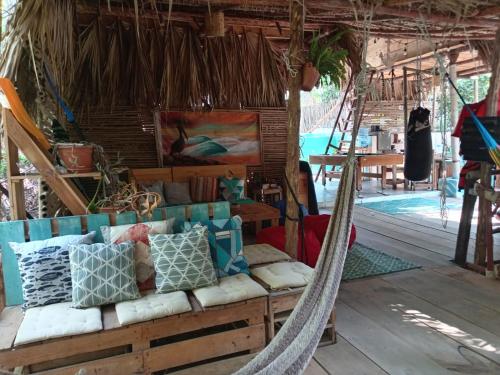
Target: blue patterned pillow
45,269
226,248
232,189
226,245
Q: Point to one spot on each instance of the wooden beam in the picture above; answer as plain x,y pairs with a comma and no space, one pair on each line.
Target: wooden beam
64,188
413,15
292,161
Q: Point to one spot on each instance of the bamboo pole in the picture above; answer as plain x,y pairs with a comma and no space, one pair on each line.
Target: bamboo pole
292,162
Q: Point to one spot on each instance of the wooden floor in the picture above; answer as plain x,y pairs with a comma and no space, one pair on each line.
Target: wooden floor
439,319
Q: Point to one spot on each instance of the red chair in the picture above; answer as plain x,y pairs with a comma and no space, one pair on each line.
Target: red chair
315,227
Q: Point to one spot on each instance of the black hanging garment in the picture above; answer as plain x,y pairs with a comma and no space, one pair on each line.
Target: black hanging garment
418,152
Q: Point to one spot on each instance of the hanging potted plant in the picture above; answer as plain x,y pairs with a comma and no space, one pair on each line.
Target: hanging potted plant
325,62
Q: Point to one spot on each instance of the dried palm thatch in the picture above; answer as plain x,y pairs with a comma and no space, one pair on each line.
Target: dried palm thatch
119,62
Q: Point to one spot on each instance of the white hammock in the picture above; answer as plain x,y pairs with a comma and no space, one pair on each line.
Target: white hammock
292,348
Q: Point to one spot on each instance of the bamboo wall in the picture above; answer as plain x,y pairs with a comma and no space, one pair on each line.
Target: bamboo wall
388,114
130,133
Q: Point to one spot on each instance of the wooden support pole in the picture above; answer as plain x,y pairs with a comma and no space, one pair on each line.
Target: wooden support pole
292,161
484,238
16,189
405,113
455,142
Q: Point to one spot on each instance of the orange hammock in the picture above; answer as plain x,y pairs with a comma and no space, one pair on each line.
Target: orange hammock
19,112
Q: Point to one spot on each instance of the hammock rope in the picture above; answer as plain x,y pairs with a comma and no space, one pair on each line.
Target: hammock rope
293,347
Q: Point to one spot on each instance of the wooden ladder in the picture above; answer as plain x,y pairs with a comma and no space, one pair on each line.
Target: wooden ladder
17,138
343,124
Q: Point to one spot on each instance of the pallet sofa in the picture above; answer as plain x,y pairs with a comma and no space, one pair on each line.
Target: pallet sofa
250,212
139,348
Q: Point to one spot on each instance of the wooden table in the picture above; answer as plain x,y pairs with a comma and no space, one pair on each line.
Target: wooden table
363,160
257,212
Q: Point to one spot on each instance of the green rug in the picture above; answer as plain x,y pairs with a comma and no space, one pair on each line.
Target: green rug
363,261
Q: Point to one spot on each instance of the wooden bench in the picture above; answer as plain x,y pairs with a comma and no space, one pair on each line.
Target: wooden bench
140,348
256,212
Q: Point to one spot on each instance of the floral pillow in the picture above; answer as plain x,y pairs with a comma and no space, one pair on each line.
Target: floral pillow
139,233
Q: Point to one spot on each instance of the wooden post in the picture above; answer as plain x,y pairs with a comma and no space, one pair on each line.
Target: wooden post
292,161
484,237
405,113
455,142
16,187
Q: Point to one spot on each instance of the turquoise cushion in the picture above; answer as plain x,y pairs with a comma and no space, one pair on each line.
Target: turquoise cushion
226,248
226,245
232,189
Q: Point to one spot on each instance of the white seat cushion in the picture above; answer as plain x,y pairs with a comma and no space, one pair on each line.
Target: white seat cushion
231,289
57,320
152,306
284,275
263,253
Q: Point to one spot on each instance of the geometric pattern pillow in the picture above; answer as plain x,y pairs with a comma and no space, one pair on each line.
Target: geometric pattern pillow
44,269
102,273
182,261
144,268
232,189
227,252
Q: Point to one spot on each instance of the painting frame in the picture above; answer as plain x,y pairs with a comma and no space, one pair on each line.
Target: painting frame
230,136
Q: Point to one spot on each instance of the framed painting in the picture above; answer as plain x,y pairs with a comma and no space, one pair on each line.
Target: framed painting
194,138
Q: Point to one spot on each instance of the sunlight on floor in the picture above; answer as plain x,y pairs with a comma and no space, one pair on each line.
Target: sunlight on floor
423,320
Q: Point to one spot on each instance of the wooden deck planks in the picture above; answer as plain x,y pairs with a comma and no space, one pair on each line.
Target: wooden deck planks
438,319
344,359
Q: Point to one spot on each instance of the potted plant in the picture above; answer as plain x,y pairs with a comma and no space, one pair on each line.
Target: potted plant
75,157
326,62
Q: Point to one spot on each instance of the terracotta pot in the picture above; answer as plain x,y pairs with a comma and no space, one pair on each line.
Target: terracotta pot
77,158
310,76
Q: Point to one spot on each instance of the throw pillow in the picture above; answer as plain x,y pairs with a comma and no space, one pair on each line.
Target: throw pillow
203,189
226,245
182,261
156,187
144,268
232,189
45,269
227,252
177,193
102,273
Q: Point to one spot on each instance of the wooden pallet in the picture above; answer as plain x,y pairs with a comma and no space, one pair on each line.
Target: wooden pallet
279,307
140,348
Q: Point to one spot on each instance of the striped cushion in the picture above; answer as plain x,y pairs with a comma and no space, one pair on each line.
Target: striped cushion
203,189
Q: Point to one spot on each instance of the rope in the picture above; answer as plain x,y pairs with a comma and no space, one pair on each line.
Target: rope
444,126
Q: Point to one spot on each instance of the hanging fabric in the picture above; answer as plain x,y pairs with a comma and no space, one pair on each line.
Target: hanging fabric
418,153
